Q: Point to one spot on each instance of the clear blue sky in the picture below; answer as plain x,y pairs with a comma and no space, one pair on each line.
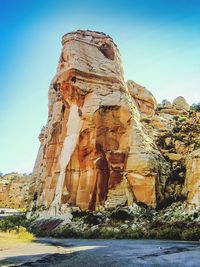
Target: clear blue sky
159,42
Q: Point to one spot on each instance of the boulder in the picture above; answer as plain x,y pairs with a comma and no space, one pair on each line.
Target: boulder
181,103
145,101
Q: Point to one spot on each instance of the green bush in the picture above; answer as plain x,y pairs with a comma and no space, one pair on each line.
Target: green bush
95,234
165,232
169,233
130,234
13,223
108,234
121,215
196,107
152,234
176,117
92,219
65,232
182,118
192,234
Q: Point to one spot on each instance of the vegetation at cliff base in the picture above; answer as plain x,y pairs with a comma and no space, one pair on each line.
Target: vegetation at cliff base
19,235
165,233
14,230
10,223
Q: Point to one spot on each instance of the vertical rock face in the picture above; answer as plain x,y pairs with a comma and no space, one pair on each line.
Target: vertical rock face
94,150
192,182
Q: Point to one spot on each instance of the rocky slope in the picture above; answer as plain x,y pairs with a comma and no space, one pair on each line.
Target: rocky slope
14,191
106,142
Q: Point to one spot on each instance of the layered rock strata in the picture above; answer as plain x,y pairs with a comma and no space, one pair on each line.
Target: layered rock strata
94,149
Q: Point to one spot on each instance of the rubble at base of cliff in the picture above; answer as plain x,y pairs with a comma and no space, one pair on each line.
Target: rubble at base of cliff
132,222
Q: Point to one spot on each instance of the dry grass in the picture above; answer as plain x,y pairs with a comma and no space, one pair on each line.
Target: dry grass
14,237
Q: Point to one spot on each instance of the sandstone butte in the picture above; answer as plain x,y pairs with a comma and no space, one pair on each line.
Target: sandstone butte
106,142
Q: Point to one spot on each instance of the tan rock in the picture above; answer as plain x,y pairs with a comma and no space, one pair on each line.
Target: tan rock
94,146
180,147
14,191
181,103
172,111
174,156
145,101
178,107
192,182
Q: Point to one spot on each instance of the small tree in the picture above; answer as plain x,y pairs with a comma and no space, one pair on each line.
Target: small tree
196,107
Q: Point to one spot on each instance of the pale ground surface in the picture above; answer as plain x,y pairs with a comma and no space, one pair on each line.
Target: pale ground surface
106,253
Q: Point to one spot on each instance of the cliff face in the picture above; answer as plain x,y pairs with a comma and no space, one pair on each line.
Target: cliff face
104,142
94,151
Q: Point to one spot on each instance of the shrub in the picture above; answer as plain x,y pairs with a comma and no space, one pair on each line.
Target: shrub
121,215
95,234
176,117
130,234
24,235
196,107
13,223
182,118
169,233
92,219
65,232
192,233
107,234
152,234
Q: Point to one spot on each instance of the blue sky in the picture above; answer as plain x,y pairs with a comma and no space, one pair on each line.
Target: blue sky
159,41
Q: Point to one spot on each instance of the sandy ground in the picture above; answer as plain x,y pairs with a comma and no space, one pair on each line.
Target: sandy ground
106,253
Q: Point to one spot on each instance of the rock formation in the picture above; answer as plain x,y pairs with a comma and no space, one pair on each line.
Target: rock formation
14,191
181,103
94,150
106,142
178,139
192,182
144,100
178,107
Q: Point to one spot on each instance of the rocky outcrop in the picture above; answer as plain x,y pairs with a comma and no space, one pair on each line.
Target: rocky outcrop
106,142
176,137
178,107
14,191
144,100
94,148
192,182
181,103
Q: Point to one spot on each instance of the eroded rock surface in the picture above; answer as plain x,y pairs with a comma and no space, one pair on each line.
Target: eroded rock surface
145,101
94,150
192,182
106,142
14,191
181,103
